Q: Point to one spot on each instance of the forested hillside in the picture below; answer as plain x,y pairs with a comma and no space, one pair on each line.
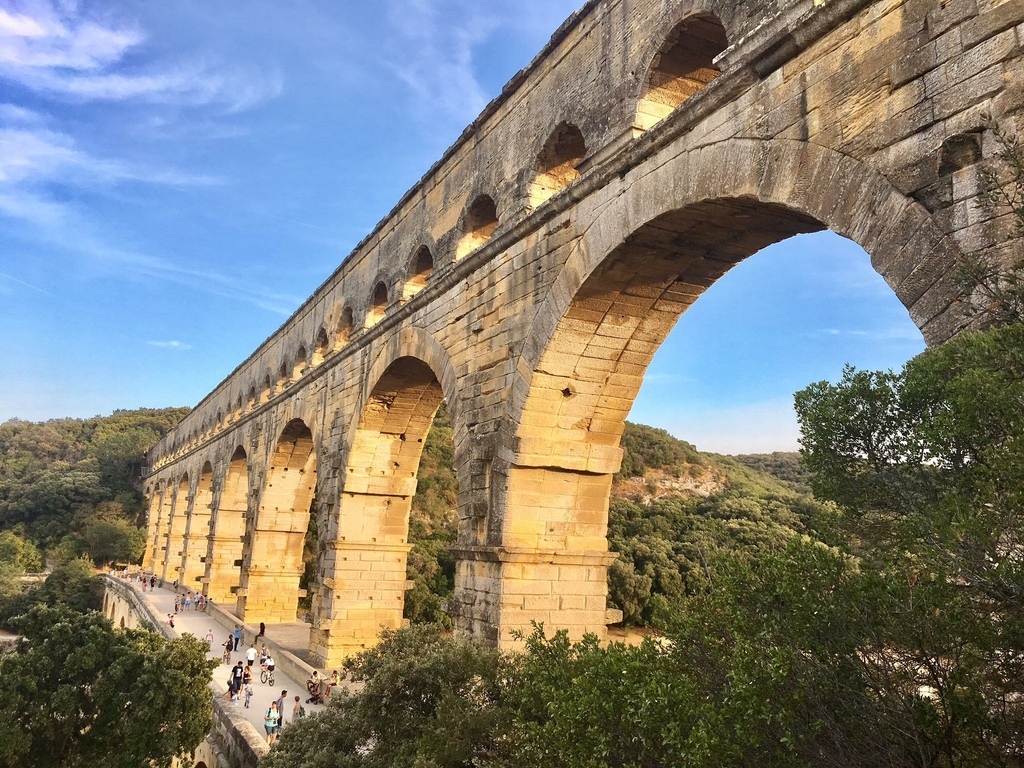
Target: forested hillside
71,486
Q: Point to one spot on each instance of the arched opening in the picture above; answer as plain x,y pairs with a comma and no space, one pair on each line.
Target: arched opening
478,224
253,397
284,375
371,525
300,363
268,388
157,528
557,163
177,524
345,329
272,565
122,622
322,346
586,373
227,532
193,556
684,65
379,305
419,272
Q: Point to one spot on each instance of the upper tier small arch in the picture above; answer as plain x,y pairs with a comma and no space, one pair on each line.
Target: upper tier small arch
557,164
683,65
420,269
478,224
378,306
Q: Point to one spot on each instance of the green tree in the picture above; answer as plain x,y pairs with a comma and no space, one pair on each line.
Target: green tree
927,467
113,541
426,700
71,584
77,692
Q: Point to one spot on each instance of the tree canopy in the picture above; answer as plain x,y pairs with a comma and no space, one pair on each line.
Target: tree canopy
77,692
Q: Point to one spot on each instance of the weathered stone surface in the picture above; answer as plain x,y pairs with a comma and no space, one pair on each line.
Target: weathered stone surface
534,309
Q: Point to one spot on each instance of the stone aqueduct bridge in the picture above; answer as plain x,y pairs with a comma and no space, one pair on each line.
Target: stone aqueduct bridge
530,276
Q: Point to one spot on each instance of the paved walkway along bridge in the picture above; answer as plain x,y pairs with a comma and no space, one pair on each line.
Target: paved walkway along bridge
529,277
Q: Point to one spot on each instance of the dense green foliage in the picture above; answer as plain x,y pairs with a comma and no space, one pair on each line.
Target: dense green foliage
72,484
651,448
665,543
428,700
787,468
77,692
432,527
666,547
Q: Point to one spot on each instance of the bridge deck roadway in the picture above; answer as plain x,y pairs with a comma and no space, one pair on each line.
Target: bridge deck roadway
197,623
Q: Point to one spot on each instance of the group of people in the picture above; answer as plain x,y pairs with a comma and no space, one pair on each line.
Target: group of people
273,718
240,679
191,600
132,576
319,686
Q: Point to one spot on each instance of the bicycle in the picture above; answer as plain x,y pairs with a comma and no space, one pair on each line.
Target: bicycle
226,656
267,675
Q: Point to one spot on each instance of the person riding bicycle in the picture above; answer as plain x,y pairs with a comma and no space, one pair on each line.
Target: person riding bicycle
269,664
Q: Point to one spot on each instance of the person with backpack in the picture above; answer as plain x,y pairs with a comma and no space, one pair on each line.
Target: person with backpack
270,723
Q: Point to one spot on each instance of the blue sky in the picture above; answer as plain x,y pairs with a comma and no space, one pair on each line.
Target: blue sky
175,178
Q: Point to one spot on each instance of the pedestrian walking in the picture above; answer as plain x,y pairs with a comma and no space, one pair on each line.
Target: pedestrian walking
238,636
188,601
177,604
250,655
209,639
248,694
170,620
297,710
263,630
270,723
280,709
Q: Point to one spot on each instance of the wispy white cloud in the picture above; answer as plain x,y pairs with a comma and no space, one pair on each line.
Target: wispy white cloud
436,56
900,332
12,114
178,345
56,49
7,289
48,156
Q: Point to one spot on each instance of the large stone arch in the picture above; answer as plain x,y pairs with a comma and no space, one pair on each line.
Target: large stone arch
154,519
197,531
648,250
227,531
363,554
272,563
175,537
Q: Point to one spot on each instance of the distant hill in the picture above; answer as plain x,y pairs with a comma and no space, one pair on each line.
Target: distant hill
57,477
786,467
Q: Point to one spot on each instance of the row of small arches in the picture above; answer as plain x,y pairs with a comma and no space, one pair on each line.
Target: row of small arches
684,65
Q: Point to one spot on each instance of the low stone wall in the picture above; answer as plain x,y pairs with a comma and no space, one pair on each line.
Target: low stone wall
240,744
233,740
